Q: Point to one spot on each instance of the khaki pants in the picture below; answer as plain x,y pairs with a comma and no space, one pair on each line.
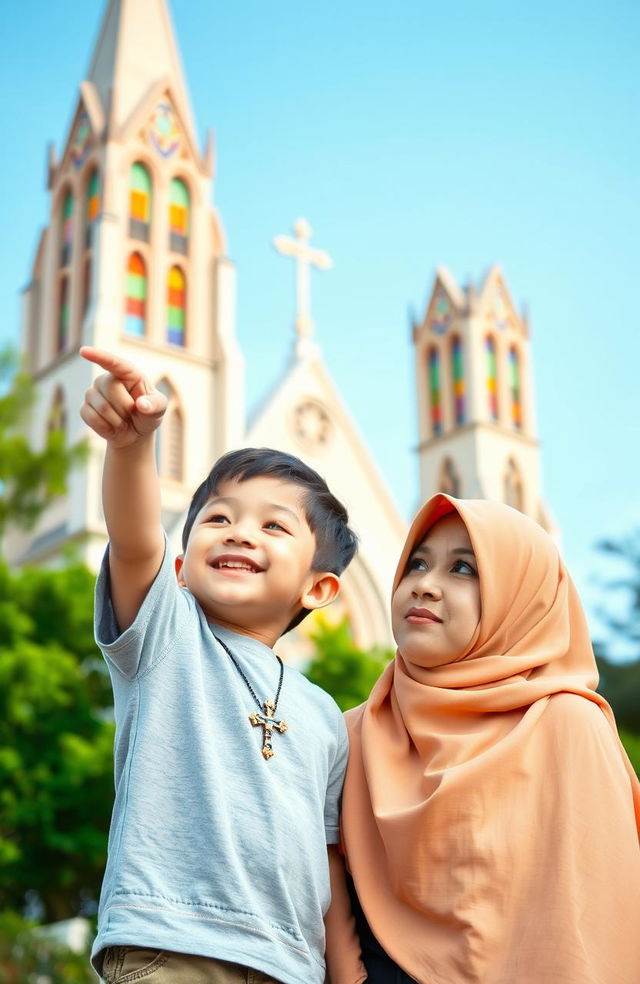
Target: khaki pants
125,964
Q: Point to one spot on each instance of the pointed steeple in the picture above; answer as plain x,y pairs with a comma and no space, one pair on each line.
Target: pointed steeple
135,52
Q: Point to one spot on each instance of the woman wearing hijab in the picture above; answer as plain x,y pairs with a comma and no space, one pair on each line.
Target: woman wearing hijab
490,814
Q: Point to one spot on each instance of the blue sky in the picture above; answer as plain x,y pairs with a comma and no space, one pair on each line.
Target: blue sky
409,135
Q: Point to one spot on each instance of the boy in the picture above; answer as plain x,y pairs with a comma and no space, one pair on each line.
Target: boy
228,765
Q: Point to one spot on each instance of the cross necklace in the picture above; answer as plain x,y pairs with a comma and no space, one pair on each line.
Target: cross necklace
266,721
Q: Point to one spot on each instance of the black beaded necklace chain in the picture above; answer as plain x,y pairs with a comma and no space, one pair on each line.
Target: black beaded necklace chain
266,721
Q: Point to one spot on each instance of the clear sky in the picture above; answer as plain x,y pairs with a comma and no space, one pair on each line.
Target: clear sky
409,135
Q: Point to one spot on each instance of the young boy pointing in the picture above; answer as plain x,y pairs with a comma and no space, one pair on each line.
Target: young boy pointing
228,765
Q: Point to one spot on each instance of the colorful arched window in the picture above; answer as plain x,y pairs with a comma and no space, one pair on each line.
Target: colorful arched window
457,368
139,202
66,238
435,392
136,299
92,205
179,208
62,337
176,306
492,377
515,388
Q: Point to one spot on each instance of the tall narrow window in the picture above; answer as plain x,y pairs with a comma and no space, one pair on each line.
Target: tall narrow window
458,379
449,479
513,491
86,284
492,377
136,299
57,420
62,339
179,217
66,238
170,437
92,206
139,202
176,306
435,393
515,388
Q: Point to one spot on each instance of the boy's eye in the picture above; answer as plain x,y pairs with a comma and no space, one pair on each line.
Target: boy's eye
217,518
274,525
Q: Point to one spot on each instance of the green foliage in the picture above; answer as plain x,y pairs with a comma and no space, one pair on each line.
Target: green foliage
28,478
631,743
620,684
627,552
28,956
343,670
56,736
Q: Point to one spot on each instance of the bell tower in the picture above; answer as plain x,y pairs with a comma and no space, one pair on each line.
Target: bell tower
133,259
475,396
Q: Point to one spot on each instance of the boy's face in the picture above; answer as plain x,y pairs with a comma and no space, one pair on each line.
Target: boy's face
249,558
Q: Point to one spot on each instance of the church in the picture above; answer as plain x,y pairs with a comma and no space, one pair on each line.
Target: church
134,258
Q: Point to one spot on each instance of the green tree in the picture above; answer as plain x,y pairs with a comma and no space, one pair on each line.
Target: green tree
340,668
28,478
56,736
625,624
28,956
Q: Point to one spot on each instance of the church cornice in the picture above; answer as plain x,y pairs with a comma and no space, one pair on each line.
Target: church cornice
473,426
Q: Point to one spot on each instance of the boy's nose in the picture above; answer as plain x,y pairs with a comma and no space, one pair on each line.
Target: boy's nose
240,533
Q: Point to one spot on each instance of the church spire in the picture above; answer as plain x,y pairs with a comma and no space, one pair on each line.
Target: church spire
306,257
136,53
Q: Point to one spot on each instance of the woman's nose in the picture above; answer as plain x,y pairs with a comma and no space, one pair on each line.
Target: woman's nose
427,586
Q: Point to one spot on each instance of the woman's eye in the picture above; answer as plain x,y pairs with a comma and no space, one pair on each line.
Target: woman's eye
464,567
416,564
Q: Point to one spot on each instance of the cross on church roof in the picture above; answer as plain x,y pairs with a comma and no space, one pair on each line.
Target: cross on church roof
305,256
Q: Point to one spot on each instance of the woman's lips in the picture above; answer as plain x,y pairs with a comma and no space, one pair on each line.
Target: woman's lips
421,616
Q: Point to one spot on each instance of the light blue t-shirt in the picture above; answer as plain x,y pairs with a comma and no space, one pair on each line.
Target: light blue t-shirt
214,850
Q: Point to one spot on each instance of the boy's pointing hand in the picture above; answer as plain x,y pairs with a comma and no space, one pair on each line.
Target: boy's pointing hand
121,405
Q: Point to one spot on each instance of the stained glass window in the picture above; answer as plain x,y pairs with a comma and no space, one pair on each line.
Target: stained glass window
66,243
136,297
178,216
515,388
435,394
139,202
458,380
92,206
176,306
492,377
62,339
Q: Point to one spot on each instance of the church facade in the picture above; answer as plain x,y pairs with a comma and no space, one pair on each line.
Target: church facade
134,259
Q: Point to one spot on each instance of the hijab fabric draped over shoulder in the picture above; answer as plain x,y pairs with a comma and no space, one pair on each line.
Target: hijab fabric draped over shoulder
490,814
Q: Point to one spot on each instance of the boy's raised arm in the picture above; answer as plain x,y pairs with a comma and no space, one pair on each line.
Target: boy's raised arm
125,409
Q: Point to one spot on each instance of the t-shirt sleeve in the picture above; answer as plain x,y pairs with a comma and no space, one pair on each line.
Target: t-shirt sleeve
335,783
145,642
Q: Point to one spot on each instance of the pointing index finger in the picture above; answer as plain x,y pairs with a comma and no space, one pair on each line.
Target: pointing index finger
122,369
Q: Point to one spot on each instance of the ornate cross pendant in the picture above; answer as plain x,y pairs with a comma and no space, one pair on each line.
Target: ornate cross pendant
267,722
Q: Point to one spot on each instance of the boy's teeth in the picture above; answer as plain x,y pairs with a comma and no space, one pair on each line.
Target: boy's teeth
236,564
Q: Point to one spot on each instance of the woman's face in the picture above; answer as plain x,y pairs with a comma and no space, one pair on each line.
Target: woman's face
435,609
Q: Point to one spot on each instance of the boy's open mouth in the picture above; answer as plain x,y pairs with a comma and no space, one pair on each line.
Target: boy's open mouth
233,562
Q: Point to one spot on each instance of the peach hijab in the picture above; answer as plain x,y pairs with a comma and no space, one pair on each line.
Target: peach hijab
490,814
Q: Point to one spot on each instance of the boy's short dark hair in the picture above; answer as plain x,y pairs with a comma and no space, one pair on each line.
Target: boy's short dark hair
336,543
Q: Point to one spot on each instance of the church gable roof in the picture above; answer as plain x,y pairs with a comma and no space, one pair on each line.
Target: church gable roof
495,306
135,49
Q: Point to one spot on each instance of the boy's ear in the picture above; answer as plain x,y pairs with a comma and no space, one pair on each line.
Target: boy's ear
325,588
179,561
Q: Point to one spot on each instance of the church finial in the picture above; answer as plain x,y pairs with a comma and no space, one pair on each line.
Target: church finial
305,257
